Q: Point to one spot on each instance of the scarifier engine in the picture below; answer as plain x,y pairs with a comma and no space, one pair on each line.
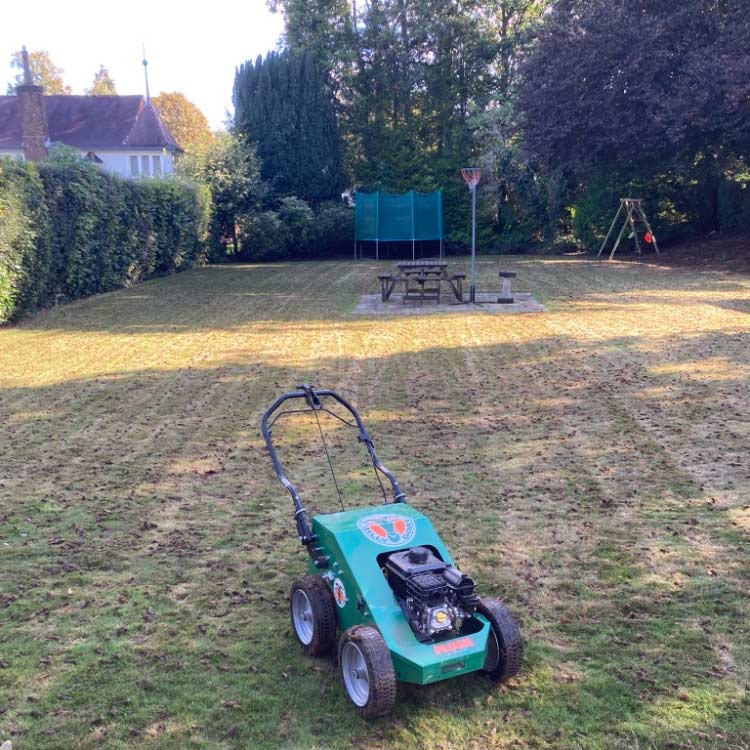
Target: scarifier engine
435,597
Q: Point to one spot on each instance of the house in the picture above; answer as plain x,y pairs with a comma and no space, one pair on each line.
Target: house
122,134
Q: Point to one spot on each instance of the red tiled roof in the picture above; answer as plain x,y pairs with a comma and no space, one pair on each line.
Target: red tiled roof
91,122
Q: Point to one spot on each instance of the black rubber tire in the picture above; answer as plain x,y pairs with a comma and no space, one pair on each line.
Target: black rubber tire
510,647
323,610
380,672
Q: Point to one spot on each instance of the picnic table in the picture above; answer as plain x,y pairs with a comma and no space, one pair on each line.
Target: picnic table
422,280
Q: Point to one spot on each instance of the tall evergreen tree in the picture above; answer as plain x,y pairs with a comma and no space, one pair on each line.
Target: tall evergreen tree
283,104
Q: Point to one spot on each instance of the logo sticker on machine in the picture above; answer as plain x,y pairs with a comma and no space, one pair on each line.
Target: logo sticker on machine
388,529
449,647
339,592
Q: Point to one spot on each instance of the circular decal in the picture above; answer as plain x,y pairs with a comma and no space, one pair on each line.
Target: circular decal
388,529
339,592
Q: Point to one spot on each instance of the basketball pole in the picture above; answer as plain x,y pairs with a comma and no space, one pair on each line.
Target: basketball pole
471,176
472,286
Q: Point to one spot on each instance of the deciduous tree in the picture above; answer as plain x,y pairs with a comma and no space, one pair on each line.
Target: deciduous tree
612,82
230,170
185,120
103,84
43,71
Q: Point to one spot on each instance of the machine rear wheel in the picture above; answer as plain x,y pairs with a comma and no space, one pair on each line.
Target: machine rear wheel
505,648
313,613
366,671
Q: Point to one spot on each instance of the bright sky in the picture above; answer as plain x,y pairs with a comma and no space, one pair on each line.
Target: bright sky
190,48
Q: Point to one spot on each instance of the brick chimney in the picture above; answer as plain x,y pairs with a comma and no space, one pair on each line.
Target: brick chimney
34,127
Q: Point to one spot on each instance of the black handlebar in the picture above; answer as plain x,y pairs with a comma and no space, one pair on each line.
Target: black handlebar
312,398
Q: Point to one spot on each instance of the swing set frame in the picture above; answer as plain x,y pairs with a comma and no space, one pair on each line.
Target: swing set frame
633,208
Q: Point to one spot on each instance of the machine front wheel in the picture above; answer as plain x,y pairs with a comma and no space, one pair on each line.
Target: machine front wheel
505,648
366,671
313,613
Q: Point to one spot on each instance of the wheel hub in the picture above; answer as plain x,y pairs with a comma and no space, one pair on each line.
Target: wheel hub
355,674
302,617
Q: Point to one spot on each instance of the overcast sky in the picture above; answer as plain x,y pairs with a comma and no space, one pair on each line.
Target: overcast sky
192,49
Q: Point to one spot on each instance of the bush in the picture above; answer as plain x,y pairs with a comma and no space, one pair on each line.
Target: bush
297,219
734,205
296,231
68,228
264,237
333,230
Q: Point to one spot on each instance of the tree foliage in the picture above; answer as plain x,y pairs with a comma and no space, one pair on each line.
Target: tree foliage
283,104
43,72
231,171
184,119
103,84
643,98
632,81
409,77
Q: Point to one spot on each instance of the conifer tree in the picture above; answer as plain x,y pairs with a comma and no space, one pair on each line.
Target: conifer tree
283,104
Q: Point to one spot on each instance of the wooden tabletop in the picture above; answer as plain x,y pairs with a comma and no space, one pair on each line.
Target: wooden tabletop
426,263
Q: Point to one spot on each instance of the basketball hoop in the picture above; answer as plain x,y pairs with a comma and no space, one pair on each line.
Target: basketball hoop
471,176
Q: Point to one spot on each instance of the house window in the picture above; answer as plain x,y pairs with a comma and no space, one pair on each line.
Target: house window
156,162
144,165
134,166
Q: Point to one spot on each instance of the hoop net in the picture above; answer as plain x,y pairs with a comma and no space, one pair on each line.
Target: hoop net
471,176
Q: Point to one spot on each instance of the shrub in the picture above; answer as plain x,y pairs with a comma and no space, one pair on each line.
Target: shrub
264,237
298,220
298,231
333,229
734,205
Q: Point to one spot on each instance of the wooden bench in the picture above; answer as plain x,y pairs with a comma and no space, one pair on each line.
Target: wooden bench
456,281
387,285
421,287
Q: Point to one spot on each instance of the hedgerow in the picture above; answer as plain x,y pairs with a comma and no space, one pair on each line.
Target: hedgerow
67,228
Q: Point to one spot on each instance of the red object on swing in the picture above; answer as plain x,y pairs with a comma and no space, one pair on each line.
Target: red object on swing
649,237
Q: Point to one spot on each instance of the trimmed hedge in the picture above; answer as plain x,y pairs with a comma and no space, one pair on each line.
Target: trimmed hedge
70,229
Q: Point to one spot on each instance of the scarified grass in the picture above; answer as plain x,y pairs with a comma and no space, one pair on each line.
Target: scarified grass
589,465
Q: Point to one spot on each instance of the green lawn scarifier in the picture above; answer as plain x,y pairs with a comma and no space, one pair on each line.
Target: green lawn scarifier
383,576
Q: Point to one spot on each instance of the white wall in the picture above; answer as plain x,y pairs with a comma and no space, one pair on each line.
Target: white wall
119,161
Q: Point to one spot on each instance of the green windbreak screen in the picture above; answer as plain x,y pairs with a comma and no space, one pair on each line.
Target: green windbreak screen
399,216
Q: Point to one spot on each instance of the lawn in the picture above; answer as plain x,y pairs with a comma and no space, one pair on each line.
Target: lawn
588,464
